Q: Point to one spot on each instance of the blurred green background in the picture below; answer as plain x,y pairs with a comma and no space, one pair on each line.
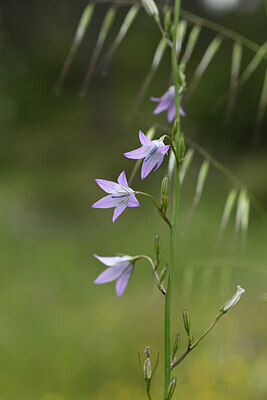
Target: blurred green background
62,338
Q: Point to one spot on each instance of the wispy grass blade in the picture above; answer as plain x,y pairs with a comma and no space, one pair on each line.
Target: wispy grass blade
76,41
158,56
105,28
127,23
235,70
202,177
242,214
182,27
205,62
261,110
191,43
186,164
229,204
254,63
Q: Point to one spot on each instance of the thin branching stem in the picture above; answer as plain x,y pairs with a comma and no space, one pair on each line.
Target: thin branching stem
160,286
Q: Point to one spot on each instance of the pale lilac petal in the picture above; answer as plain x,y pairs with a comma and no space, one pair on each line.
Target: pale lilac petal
110,261
155,98
107,202
182,113
108,186
141,152
118,210
171,112
163,149
111,273
160,160
148,166
162,106
144,140
122,282
133,202
122,180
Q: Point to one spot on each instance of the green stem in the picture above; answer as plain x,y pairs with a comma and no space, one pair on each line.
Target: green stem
192,346
162,214
168,296
161,287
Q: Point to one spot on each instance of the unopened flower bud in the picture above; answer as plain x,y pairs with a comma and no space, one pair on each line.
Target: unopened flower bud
151,8
167,19
175,346
171,389
175,128
164,185
233,301
147,369
187,322
182,145
163,274
157,245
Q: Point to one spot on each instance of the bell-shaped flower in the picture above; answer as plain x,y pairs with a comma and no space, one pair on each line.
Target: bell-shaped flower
120,195
152,151
233,301
167,103
119,269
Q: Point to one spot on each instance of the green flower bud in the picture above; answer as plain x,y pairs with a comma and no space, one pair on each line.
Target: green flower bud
187,322
147,369
167,19
175,128
164,185
171,389
175,346
163,274
182,145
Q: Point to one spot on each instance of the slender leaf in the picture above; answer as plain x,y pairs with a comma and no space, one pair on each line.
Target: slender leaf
186,164
181,31
127,23
191,43
235,70
261,109
77,39
228,208
106,25
242,214
202,176
254,63
158,56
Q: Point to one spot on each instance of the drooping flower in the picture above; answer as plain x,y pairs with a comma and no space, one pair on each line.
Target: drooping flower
167,103
120,195
152,151
233,301
120,270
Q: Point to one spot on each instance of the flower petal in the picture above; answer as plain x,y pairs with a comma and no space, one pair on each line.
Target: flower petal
141,152
110,261
182,113
160,160
144,140
157,99
122,282
163,149
118,210
107,202
108,186
148,166
122,180
171,112
133,202
111,273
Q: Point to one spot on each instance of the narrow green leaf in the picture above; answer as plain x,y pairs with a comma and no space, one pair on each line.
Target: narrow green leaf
254,63
181,31
261,109
191,43
235,70
202,176
228,208
127,23
105,28
77,39
186,164
205,62
242,214
158,56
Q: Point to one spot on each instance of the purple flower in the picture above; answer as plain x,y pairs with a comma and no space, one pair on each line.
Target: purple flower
152,151
167,102
120,195
120,270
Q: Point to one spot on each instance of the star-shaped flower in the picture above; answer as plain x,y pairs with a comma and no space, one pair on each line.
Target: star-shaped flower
167,102
120,195
120,270
152,151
